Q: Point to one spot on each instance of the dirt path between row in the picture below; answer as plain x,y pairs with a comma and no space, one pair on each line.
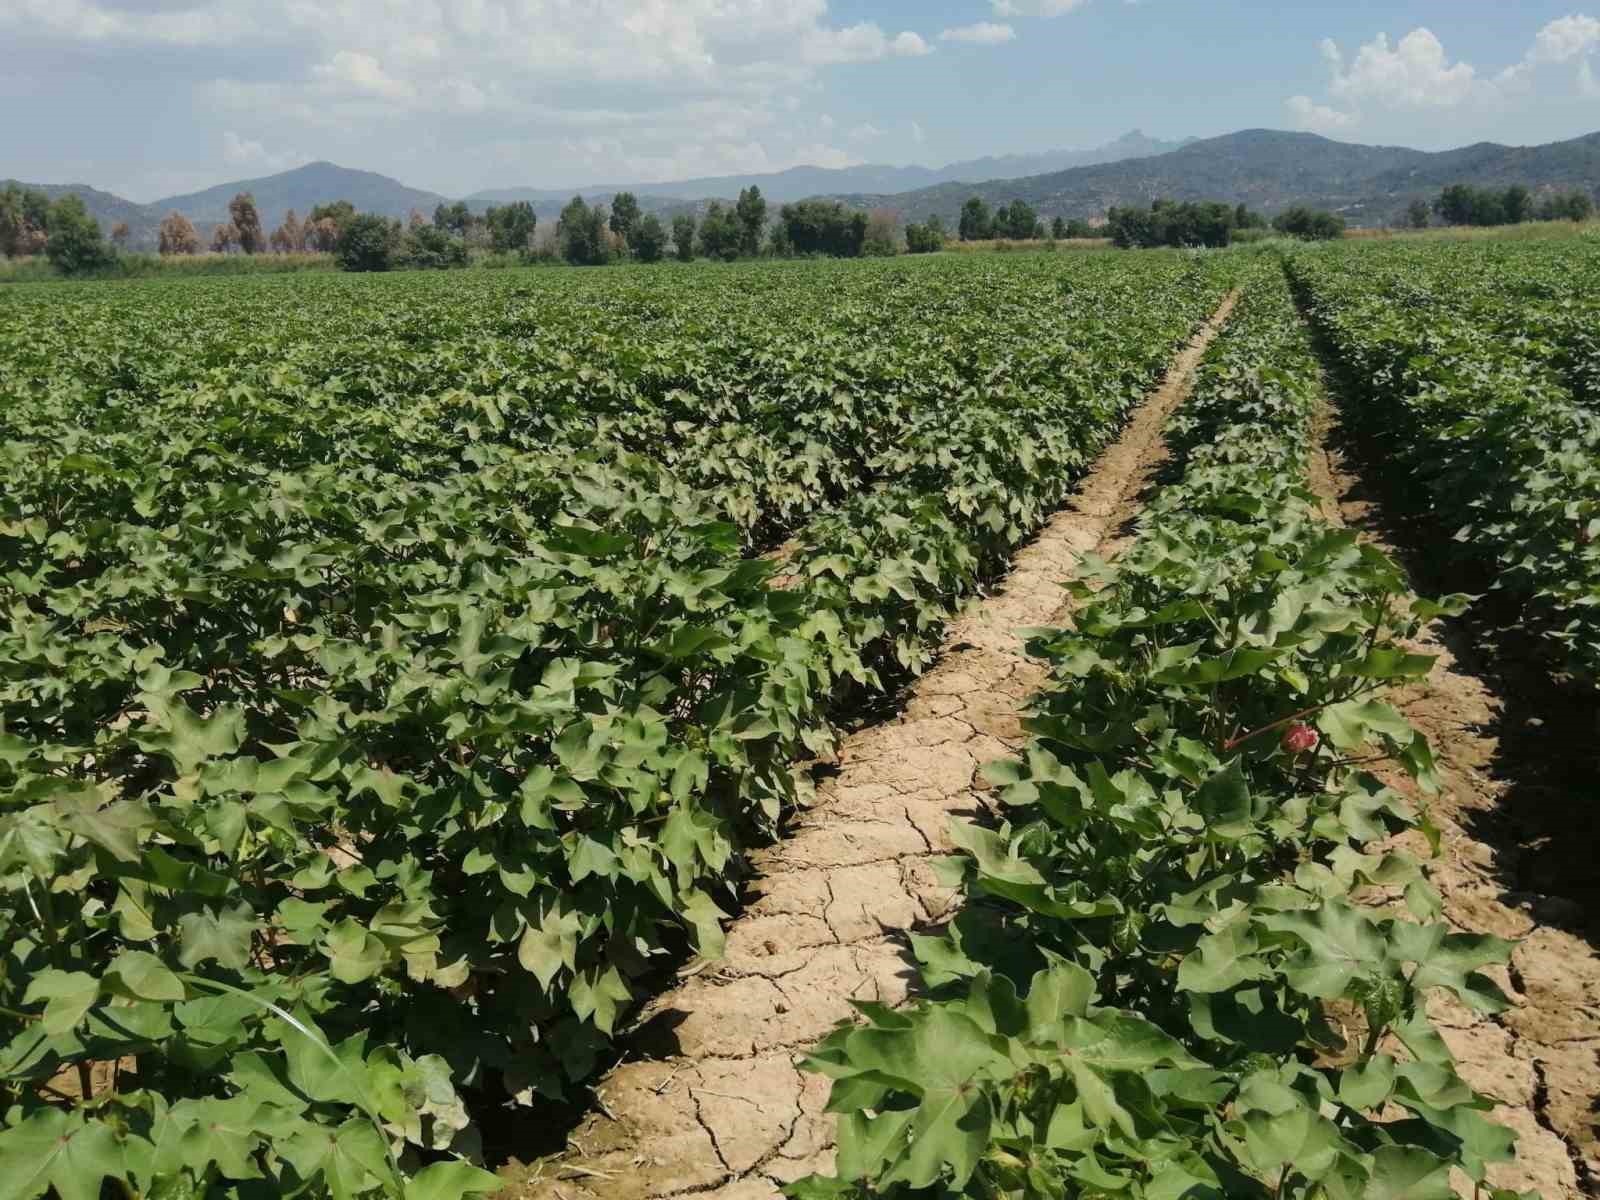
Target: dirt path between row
1541,1059
716,1105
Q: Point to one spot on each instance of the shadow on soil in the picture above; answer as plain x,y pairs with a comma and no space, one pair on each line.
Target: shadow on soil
1545,832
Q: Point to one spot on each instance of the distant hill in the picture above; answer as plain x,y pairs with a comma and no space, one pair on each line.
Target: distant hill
106,208
1268,170
797,183
301,189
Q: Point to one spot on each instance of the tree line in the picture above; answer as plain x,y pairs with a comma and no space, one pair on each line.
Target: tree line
1210,223
1463,204
1017,221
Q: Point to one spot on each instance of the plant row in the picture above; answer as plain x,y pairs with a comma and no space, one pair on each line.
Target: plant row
1193,960
1490,437
771,390
359,764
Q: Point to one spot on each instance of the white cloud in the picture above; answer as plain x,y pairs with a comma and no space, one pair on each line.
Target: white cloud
984,33
865,42
1413,73
242,152
1035,8
364,74
1565,39
1317,118
1560,41
917,135
564,90
865,132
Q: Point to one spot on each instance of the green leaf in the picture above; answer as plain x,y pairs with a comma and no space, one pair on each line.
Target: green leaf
1405,1173
450,1181
1339,943
60,1150
221,937
142,976
942,1060
69,995
354,954
190,739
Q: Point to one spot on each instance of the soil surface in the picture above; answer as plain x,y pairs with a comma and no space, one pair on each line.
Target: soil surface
712,1100
1540,1060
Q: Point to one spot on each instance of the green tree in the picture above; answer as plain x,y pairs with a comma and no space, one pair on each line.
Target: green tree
337,211
427,247
581,230
720,233
243,216
1417,215
24,220
926,238
1058,228
683,232
624,215
824,227
511,227
1245,218
976,225
367,242
1516,204
1077,227
1309,224
76,245
453,218
1018,221
751,211
648,239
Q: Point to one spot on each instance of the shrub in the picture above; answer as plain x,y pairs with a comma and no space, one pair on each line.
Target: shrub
76,245
428,247
366,243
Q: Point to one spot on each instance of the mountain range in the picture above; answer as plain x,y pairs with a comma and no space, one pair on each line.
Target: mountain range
1267,169
798,183
1270,170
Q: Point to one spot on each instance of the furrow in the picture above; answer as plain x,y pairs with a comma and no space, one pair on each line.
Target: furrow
833,904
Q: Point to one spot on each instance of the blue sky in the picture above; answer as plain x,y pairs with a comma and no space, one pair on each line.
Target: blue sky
151,97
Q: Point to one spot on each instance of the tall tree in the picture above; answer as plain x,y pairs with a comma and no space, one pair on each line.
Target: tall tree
24,221
247,223
720,233
1417,215
1019,221
824,227
751,211
322,234
224,238
683,237
648,239
337,211
453,218
624,214
582,233
119,235
976,224
177,235
1058,228
1517,204
290,237
511,227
